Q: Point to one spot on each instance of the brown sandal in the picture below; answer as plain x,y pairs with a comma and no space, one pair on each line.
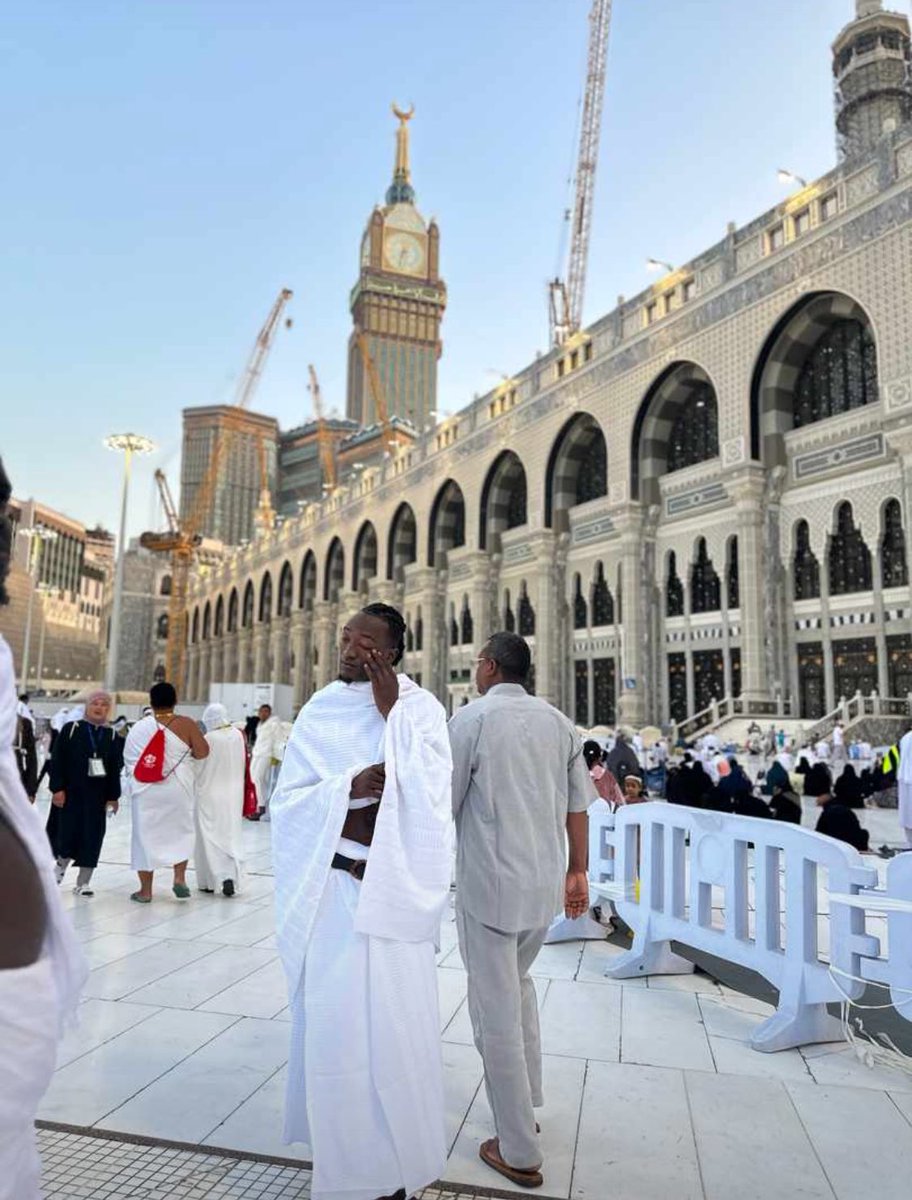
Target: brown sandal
489,1153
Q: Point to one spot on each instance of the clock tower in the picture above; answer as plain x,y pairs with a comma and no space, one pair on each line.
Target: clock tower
398,302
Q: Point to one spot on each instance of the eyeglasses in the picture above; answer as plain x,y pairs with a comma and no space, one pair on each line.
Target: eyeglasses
484,658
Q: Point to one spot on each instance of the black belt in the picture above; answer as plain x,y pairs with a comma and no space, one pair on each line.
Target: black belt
354,866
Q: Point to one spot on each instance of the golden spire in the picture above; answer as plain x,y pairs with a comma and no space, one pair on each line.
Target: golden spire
401,190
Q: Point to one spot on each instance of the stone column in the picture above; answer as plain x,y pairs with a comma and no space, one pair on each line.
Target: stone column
481,589
747,490
193,655
426,594
382,591
323,634
261,673
826,633
300,647
632,661
205,674
217,661
880,633
245,656
279,649
547,665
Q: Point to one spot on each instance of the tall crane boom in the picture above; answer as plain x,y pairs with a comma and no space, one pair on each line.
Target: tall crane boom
376,390
261,348
567,298
324,437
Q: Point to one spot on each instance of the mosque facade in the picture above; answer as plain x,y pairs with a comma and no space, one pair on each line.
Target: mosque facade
707,493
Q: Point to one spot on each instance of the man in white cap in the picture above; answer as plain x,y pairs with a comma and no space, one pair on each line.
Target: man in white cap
219,805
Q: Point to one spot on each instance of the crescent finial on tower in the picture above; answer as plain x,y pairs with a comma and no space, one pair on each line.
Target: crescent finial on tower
401,191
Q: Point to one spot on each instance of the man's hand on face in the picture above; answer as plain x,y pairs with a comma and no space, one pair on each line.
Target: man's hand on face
368,784
382,674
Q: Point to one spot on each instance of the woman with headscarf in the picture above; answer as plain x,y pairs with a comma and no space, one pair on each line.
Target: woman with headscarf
848,789
220,782
603,781
85,787
41,965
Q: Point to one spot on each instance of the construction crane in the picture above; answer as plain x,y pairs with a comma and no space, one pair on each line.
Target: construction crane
324,437
566,296
383,417
184,538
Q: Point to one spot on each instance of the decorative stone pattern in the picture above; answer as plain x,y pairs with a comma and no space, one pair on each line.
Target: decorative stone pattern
715,493
846,454
590,531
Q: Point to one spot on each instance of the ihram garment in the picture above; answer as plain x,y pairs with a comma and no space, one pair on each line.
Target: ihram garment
365,1079
220,804
37,1000
266,752
163,828
904,781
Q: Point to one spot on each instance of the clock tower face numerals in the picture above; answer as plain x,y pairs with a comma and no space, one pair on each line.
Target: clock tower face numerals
403,252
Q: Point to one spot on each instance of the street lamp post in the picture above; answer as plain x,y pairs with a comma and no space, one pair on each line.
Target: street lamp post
129,444
40,536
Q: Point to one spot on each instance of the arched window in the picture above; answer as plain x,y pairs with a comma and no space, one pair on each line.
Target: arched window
509,618
839,374
308,590
733,590
158,675
454,627
219,617
334,579
849,558
503,497
195,627
402,548
286,591
893,547
674,589
577,468
266,599
247,612
806,570
233,611
694,436
526,613
409,636
447,522
580,608
166,585
161,628
207,622
593,471
365,564
602,603
467,625
705,591
419,632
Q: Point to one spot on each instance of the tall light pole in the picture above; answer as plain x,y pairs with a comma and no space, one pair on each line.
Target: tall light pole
39,536
129,444
43,589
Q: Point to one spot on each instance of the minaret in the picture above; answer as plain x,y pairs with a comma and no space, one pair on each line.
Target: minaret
871,68
398,302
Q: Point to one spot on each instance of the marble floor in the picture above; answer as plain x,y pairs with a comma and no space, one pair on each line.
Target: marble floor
651,1087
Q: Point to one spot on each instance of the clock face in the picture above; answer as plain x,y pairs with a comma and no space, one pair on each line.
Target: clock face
403,252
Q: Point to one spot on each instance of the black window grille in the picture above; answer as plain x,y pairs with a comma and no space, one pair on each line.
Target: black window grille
705,592
695,430
807,568
850,558
893,548
602,603
839,374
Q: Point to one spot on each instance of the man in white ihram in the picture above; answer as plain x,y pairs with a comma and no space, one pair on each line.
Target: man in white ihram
362,848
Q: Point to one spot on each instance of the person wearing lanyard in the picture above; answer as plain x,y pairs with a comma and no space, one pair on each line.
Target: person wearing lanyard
85,787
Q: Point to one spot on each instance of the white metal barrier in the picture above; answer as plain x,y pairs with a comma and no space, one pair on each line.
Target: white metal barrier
746,890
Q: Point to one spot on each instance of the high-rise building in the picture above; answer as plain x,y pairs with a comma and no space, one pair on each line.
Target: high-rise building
871,67
301,478
249,447
397,303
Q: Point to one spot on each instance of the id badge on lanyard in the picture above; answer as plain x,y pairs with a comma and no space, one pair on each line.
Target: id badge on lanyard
96,767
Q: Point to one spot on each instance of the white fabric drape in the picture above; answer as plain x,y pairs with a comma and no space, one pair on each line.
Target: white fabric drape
904,781
359,958
219,809
37,1001
163,827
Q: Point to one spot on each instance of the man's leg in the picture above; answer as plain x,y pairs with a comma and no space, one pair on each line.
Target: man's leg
61,868
528,946
84,878
496,1009
145,885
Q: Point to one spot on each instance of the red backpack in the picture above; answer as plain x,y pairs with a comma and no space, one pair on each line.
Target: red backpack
150,768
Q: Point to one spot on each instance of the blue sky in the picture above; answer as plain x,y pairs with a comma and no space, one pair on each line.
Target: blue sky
170,164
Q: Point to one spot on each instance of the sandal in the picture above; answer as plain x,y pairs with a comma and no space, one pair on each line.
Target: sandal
140,898
489,1153
181,891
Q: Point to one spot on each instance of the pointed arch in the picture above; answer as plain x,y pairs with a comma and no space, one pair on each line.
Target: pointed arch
602,601
364,565
402,545
504,499
286,590
676,426
448,522
893,566
307,591
207,621
220,616
195,627
580,607
705,587
674,588
848,556
265,611
334,575
577,468
233,606
805,567
247,610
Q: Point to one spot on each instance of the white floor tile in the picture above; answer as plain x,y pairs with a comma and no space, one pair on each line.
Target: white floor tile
262,993
840,1067
99,1022
853,1131
595,959
462,1078
903,1101
582,1020
697,983
194,984
93,1086
734,1057
127,975
451,991
750,1143
560,961
724,1018
106,948
257,1125
663,1029
563,1087
188,1102
635,1137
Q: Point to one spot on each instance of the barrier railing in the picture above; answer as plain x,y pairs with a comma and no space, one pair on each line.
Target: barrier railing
746,890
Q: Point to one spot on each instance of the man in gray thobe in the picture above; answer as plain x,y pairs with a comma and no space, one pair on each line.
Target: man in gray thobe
520,792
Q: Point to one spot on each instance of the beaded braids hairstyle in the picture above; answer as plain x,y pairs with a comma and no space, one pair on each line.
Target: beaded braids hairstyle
6,533
394,623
